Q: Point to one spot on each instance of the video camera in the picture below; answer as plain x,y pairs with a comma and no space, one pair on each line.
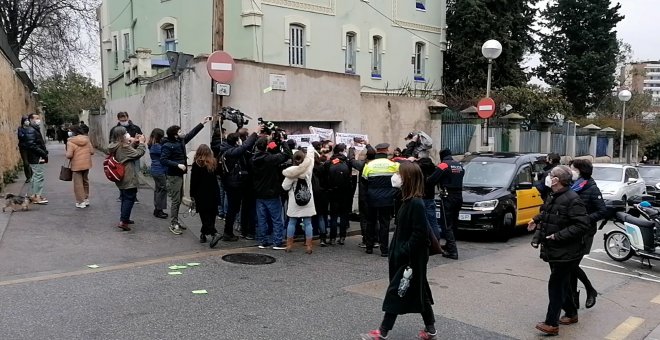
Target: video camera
234,115
270,128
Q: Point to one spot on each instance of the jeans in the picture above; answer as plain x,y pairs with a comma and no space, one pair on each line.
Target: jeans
378,228
37,178
127,197
81,185
293,221
175,189
26,166
270,211
429,318
560,293
160,192
431,218
222,199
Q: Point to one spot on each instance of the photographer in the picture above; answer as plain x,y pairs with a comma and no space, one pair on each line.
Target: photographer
236,180
267,184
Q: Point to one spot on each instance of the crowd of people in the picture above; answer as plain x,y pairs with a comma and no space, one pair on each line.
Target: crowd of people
272,186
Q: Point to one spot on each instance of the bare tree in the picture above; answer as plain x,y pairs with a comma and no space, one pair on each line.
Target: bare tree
50,35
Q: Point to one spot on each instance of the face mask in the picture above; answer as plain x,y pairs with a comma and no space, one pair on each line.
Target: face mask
397,182
123,123
37,122
70,134
26,123
576,174
127,136
548,181
182,135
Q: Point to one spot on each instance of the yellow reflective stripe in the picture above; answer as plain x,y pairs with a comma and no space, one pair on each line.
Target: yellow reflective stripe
380,167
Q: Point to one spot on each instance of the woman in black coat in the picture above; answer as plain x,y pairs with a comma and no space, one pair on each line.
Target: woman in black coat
585,186
204,190
561,227
409,250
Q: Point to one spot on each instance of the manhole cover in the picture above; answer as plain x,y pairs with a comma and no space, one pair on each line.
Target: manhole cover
249,258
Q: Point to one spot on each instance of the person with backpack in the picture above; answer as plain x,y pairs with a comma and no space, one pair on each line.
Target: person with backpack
233,154
298,184
339,172
158,173
122,151
173,156
204,191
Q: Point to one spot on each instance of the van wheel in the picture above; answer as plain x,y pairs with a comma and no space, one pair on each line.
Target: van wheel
507,224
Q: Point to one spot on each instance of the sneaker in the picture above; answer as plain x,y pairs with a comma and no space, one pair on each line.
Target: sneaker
41,200
214,240
263,246
248,237
86,202
373,335
342,241
176,230
137,201
323,244
280,247
425,335
81,205
362,245
376,245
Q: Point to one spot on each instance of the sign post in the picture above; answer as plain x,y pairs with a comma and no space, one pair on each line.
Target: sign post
220,66
485,110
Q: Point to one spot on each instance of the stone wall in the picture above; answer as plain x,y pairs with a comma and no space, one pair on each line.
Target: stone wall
15,100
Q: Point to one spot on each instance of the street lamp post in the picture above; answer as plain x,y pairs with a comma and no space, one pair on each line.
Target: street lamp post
624,96
491,49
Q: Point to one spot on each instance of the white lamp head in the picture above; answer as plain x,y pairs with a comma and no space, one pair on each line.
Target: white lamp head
624,95
491,49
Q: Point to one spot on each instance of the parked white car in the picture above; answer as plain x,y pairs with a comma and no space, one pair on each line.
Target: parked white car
618,181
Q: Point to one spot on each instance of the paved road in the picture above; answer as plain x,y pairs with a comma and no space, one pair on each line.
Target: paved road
495,291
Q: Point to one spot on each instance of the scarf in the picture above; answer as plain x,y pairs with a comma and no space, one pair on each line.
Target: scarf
579,184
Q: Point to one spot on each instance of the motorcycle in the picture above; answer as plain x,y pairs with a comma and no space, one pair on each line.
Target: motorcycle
638,232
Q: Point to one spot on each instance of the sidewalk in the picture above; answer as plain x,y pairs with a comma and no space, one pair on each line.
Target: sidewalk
59,237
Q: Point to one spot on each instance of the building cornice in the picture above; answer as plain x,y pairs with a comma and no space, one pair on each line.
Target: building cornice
329,9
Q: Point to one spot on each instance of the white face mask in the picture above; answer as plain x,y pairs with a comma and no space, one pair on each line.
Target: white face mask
70,134
576,175
127,136
123,123
37,122
548,181
397,182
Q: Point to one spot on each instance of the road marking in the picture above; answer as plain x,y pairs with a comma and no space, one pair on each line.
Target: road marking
656,299
613,272
625,328
604,262
599,250
645,273
129,265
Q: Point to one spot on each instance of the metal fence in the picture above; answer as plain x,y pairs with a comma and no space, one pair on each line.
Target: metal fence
530,141
558,145
457,137
582,145
601,146
500,138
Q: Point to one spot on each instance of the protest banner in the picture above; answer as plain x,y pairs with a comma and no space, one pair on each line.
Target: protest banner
350,140
325,134
305,140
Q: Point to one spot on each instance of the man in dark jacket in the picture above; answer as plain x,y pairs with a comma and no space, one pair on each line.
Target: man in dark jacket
84,128
363,201
551,161
560,229
37,156
339,171
428,169
174,157
123,120
380,194
267,184
236,181
21,134
449,175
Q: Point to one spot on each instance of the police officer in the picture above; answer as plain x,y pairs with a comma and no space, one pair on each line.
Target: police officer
380,195
449,175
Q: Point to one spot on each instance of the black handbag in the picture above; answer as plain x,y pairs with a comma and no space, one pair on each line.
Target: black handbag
65,173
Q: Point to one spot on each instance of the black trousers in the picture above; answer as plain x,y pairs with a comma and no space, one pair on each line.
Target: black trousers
378,227
579,274
389,319
248,213
363,206
560,292
26,165
340,208
208,221
450,209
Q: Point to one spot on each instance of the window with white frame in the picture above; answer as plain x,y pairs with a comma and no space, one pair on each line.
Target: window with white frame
115,51
169,38
420,52
351,54
127,45
297,45
420,4
376,58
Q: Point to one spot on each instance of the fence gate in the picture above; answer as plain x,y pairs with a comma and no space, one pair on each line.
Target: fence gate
582,145
601,146
558,143
457,137
530,141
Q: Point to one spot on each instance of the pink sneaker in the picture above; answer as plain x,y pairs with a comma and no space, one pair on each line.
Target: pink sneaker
373,335
424,335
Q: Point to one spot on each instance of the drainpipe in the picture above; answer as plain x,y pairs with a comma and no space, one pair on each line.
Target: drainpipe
443,41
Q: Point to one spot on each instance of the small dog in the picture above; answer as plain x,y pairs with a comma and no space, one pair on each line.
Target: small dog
15,203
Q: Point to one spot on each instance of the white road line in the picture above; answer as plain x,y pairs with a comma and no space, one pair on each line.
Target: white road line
625,328
647,274
624,274
599,250
604,262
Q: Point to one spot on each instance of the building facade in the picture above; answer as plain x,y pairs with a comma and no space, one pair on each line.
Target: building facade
643,77
394,46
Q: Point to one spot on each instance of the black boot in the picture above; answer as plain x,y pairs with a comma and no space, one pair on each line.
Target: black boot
576,299
591,298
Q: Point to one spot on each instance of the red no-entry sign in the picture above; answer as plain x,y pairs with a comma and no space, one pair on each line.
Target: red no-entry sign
486,108
221,67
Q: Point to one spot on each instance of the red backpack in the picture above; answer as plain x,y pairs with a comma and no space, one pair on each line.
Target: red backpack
114,170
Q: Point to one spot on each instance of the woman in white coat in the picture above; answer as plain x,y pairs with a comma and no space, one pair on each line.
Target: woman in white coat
298,182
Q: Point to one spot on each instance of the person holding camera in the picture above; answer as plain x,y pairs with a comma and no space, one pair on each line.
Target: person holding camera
267,185
173,156
233,153
560,229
